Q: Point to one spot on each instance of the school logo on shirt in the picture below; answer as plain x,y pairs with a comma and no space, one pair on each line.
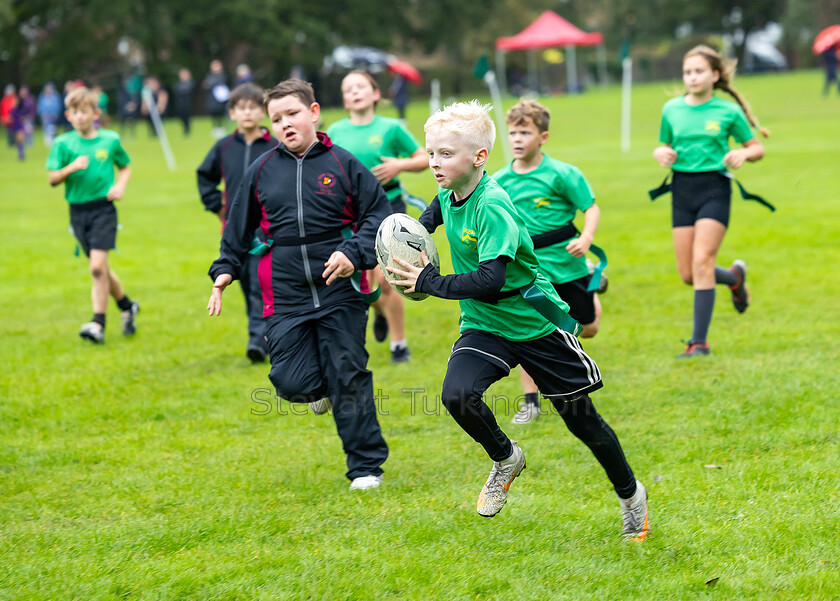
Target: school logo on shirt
325,182
376,140
541,202
469,239
713,127
101,154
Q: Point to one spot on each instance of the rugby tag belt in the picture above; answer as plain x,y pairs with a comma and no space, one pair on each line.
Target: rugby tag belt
665,187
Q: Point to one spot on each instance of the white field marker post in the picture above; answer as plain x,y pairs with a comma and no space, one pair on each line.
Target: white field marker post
434,98
626,87
158,125
501,124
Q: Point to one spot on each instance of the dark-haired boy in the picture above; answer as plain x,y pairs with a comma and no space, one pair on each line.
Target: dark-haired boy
320,208
226,163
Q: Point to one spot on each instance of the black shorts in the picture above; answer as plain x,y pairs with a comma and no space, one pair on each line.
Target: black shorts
557,363
704,195
94,224
581,302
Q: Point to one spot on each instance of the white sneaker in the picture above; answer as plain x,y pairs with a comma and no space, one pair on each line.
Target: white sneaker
494,494
93,331
320,407
634,515
528,412
365,482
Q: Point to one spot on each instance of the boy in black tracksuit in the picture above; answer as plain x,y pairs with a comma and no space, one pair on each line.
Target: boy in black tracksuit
307,196
226,162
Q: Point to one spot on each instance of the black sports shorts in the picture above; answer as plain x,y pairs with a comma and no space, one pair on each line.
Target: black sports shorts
704,195
94,224
581,302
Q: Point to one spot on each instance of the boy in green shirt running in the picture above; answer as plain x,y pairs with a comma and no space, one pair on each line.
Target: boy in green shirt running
548,193
496,271
84,160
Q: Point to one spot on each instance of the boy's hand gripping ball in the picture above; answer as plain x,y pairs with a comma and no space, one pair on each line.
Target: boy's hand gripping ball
402,236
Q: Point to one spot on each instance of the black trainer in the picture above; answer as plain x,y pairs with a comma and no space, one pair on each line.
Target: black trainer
401,355
256,351
128,316
380,326
740,292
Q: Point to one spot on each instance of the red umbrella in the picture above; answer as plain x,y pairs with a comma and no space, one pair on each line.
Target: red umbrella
828,37
406,70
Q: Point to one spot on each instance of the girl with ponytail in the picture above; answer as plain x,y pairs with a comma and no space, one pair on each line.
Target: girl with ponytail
694,133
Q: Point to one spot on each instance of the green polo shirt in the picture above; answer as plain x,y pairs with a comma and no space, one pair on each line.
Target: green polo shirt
484,228
548,198
104,152
700,133
382,137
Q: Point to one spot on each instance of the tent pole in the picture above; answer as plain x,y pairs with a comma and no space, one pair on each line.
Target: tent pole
501,72
601,52
571,70
532,71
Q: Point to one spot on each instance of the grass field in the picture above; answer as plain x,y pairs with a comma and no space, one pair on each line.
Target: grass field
139,470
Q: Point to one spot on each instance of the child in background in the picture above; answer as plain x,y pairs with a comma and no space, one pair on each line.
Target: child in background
84,160
226,163
385,147
510,314
548,193
695,133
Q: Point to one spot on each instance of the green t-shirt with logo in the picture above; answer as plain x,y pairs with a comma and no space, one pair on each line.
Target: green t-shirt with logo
700,133
104,151
548,198
484,228
382,137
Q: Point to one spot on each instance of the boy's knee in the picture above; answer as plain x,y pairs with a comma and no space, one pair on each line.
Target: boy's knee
589,330
296,389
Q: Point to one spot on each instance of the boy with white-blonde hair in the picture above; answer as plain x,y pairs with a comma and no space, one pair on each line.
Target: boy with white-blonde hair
510,314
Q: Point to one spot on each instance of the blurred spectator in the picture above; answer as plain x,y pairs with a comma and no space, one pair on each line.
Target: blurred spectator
49,110
829,60
160,100
216,94
184,91
104,117
28,109
243,74
8,104
399,94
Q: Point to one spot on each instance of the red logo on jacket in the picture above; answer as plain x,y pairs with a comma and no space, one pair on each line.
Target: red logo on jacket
325,183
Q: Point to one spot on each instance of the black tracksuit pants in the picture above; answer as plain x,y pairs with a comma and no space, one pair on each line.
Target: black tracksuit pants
249,280
322,353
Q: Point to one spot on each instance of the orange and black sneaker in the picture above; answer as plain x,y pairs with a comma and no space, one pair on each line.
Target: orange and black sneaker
740,292
695,349
634,515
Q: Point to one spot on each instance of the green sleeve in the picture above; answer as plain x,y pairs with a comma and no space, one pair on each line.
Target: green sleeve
578,190
120,155
57,159
498,235
666,134
740,128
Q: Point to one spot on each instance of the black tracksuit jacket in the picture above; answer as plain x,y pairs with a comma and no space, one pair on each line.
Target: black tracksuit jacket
227,162
303,204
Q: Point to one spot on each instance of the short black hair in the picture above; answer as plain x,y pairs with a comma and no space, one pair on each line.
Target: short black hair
292,87
247,91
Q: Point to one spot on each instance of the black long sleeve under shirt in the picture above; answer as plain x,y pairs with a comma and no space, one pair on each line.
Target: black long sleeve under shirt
486,281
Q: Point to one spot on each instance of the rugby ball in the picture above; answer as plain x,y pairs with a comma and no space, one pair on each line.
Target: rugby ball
402,236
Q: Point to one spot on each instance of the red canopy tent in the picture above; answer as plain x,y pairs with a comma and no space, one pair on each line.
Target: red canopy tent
549,30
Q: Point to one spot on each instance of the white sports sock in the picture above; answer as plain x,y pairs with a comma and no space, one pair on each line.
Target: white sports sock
398,344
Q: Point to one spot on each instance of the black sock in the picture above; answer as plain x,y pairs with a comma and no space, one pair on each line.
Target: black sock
704,304
100,319
725,276
124,303
532,398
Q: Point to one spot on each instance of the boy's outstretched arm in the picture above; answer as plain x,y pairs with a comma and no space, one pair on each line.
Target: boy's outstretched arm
432,217
485,282
118,189
59,175
580,245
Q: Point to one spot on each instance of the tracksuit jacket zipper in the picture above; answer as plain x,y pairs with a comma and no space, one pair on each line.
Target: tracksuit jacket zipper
301,230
